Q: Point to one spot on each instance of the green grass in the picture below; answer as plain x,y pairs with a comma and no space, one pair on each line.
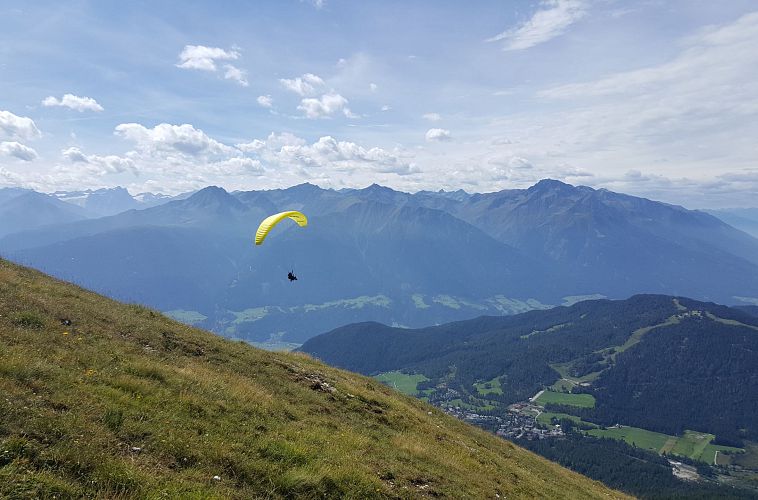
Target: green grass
489,387
127,403
563,371
562,398
403,382
635,436
694,445
563,385
691,444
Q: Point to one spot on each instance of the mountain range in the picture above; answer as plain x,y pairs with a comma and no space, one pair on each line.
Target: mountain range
384,255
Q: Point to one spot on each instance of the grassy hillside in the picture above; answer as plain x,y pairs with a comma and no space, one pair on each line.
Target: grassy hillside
101,399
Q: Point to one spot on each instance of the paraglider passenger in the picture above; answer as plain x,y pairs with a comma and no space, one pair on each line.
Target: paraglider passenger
291,276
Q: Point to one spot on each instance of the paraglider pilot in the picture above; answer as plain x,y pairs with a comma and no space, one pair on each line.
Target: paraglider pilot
291,276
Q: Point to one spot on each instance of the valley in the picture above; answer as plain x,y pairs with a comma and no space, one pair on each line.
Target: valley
585,348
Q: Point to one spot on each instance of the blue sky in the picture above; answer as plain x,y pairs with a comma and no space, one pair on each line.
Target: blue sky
653,98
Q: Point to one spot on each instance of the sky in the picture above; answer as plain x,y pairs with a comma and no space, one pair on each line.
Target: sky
652,98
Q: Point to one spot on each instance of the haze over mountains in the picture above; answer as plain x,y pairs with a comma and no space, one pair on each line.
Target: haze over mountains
383,255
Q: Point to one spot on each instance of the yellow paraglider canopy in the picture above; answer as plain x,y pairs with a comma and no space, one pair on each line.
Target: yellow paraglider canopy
271,221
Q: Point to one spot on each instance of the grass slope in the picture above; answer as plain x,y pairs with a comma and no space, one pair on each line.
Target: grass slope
124,402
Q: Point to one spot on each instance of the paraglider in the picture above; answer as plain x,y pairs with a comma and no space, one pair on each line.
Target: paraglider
271,221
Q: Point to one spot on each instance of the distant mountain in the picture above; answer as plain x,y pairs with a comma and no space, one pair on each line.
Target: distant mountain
752,310
744,219
111,201
616,244
23,210
648,360
376,254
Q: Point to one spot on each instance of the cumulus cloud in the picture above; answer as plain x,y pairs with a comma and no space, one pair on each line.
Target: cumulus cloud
325,106
326,155
235,166
100,165
17,127
235,74
204,58
165,138
17,150
265,100
74,102
550,21
305,85
373,87
438,135
432,117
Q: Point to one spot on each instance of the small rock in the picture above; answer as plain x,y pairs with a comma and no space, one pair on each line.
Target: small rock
136,449
217,478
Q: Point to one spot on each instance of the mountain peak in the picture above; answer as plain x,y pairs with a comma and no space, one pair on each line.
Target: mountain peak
214,196
551,185
377,188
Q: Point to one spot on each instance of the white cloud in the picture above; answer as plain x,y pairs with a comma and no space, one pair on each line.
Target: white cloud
204,58
274,141
286,152
236,74
306,85
325,106
438,135
373,87
167,139
432,117
100,165
265,100
18,150
17,127
73,102
546,24
235,166
386,107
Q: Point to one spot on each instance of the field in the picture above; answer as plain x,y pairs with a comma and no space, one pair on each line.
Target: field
403,382
546,418
639,437
563,398
695,445
494,387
